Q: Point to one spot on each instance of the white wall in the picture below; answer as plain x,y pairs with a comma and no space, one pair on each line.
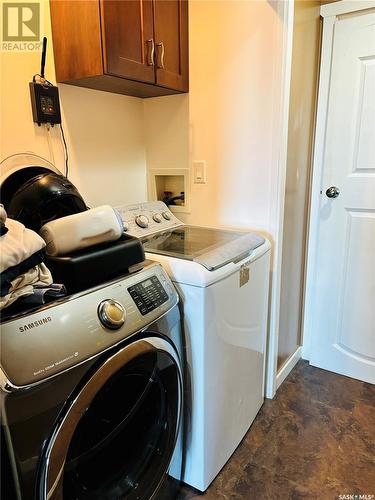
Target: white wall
226,119
228,116
235,118
104,131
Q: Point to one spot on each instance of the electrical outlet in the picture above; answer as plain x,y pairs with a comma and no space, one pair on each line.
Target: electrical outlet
200,171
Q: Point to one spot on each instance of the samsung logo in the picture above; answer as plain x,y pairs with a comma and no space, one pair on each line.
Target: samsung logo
35,324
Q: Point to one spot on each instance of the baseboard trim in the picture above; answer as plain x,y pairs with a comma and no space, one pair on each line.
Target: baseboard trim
288,367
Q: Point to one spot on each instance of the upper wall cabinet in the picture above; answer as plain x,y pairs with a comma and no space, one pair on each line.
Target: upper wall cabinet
133,47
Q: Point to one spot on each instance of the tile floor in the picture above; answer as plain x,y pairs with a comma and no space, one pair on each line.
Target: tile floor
314,440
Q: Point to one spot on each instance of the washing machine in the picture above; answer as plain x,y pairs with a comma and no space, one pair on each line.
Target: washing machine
222,278
92,394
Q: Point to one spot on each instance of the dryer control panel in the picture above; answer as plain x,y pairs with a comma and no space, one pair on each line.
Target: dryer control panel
65,333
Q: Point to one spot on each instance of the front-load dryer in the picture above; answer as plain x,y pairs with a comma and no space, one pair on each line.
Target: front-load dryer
222,278
92,393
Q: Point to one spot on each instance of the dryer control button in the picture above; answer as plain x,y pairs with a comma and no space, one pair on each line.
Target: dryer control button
141,221
112,314
157,217
166,215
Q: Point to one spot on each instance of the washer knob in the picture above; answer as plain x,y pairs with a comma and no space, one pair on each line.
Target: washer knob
141,221
166,215
157,217
111,314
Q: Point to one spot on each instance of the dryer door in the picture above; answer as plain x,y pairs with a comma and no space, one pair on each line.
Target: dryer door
117,437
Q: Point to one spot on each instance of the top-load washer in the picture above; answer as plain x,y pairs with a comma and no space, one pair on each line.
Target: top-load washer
222,278
92,393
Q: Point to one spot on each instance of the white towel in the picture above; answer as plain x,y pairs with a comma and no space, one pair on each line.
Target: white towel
23,284
18,244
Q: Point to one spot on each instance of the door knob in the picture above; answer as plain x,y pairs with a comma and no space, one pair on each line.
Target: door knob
332,192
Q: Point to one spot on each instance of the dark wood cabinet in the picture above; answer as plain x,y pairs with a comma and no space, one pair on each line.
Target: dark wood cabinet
133,47
171,42
128,39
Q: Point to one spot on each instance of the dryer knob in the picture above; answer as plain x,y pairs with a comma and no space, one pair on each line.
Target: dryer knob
166,215
157,217
112,314
141,221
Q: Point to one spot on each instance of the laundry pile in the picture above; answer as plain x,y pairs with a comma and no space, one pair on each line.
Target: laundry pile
24,276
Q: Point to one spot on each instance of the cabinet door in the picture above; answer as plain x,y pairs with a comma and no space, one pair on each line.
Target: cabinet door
171,43
128,38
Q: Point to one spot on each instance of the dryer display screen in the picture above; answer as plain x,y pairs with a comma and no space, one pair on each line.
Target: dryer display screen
148,295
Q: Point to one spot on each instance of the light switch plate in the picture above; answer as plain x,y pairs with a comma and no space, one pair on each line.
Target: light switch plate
200,171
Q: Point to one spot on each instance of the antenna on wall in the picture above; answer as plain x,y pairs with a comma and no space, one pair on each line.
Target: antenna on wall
43,61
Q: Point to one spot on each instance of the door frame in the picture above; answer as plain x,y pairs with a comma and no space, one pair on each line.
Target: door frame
280,127
329,13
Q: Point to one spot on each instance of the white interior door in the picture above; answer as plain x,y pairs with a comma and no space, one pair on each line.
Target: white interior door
343,303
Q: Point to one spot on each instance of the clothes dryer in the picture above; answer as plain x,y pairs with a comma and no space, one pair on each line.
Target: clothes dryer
92,393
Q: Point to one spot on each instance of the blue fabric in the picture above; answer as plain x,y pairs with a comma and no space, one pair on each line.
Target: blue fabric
43,294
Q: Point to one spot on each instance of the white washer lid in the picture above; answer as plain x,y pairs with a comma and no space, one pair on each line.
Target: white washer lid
212,248
188,272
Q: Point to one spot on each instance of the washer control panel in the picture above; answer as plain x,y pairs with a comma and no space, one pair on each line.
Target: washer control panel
147,218
148,294
65,333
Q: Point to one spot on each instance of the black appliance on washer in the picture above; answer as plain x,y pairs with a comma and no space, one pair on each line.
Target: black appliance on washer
92,393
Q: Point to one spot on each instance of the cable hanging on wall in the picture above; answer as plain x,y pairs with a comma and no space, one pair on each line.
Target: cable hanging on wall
66,155
46,106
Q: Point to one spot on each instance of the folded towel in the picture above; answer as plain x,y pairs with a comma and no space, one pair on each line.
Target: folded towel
7,276
7,300
23,284
18,244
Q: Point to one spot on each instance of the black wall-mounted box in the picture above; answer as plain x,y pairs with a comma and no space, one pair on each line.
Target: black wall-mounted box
45,103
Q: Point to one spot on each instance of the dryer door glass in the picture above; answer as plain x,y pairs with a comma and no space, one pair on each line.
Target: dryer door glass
123,442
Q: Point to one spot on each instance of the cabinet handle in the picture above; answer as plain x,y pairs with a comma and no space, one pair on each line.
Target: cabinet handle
150,53
161,65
